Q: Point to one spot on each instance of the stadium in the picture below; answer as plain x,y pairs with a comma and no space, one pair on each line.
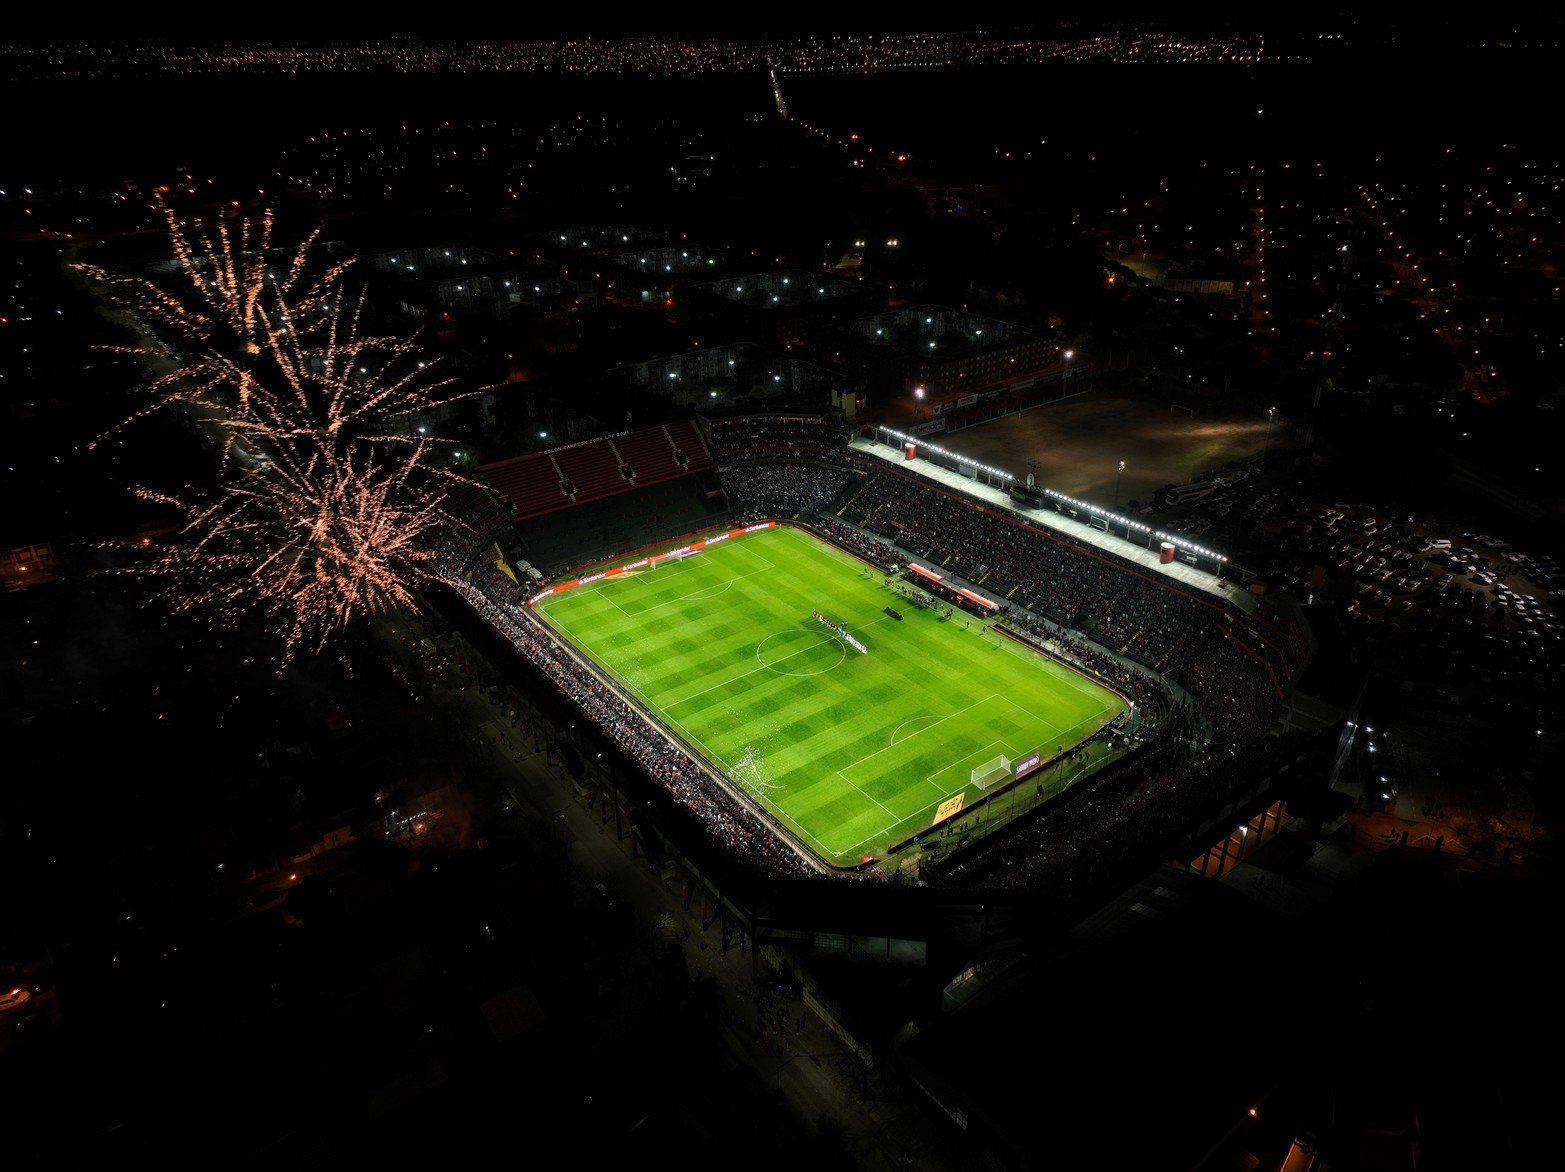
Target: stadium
790,656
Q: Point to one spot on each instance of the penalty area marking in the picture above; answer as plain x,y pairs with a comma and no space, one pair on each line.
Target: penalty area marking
701,592
842,773
980,755
910,720
706,592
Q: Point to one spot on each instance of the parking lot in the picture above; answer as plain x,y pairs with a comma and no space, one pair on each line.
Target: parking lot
1454,608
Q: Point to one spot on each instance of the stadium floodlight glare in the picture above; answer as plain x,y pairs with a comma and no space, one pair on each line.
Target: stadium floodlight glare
1094,509
903,437
1191,547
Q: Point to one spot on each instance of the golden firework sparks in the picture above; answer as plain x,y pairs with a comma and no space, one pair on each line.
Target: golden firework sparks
333,516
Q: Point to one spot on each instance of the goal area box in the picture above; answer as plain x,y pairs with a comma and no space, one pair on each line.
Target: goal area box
992,772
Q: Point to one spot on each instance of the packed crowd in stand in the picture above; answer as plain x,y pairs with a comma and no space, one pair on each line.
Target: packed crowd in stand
1134,683
780,490
1071,585
759,437
1232,688
860,543
1213,696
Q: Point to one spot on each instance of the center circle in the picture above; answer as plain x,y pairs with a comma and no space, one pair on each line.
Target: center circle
799,653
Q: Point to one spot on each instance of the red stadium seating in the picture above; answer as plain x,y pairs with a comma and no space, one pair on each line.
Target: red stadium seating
592,469
683,437
545,481
649,454
531,483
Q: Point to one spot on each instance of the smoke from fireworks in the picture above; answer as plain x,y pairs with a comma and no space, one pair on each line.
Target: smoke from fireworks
332,513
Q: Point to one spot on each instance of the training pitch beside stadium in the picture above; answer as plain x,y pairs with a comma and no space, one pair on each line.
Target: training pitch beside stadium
851,751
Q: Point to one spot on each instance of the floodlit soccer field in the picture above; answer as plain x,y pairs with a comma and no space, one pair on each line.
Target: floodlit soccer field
851,751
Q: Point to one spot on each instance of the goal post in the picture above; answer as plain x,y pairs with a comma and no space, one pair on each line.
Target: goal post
992,772
673,555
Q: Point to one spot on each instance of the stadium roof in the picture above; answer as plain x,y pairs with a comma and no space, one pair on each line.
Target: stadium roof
1144,559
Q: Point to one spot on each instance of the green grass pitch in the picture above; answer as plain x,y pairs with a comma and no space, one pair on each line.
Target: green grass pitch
850,751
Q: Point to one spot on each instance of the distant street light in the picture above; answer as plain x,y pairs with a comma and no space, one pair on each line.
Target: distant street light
1117,477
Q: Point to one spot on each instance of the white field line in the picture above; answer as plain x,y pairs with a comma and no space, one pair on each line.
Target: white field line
855,764
751,672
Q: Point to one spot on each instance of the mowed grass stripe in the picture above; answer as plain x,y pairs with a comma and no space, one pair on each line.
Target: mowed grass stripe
722,646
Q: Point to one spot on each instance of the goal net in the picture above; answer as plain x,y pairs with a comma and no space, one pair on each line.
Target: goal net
674,555
992,772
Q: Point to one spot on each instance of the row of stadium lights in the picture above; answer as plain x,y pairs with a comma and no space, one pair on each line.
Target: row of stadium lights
903,437
1177,540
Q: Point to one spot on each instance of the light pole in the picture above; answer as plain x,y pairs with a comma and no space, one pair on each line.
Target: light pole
1117,477
918,399
1068,355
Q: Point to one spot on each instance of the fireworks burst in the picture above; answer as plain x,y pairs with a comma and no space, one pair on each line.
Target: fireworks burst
232,297
336,516
309,552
